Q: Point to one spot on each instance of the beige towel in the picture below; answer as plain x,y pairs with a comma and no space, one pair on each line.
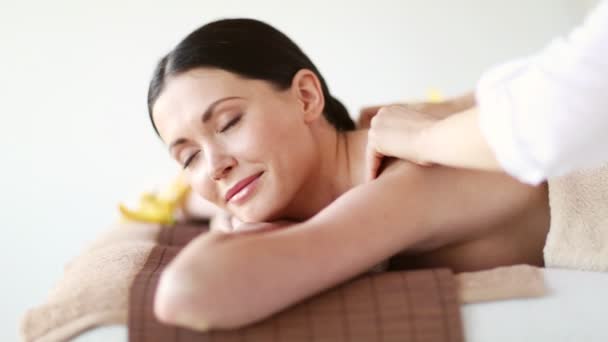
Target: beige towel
578,237
519,281
94,288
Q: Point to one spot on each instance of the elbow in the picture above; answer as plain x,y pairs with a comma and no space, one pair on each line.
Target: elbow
166,305
195,290
175,302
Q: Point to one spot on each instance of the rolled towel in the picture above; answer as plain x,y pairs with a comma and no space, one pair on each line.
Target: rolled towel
578,237
94,289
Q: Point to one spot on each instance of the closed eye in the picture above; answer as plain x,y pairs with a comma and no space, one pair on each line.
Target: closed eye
230,124
190,159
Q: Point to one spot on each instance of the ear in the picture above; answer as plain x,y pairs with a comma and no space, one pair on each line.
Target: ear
306,87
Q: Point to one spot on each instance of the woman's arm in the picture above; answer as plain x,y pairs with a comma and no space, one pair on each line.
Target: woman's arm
229,280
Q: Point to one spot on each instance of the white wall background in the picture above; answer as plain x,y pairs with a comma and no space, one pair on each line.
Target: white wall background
74,133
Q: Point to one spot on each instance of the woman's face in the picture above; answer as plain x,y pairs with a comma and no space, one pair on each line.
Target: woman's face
245,146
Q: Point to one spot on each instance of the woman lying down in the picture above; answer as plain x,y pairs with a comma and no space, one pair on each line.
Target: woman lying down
254,125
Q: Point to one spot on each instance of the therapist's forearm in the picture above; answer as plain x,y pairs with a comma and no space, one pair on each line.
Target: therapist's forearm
546,115
457,141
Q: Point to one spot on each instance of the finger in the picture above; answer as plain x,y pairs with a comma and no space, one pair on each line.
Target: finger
373,162
257,228
221,222
425,164
378,159
369,163
366,115
369,111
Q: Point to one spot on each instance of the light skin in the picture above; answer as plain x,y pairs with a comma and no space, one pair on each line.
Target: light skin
438,110
221,158
401,132
315,176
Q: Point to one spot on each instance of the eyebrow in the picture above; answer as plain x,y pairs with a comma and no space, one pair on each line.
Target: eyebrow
205,117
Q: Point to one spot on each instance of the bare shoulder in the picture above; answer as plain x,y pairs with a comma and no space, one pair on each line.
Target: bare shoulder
461,181
463,203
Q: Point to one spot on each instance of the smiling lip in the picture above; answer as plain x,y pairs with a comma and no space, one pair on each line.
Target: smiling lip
241,185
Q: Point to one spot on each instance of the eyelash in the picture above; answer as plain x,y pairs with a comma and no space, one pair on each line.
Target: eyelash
189,160
223,130
231,123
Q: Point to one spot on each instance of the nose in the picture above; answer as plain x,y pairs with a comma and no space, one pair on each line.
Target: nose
219,164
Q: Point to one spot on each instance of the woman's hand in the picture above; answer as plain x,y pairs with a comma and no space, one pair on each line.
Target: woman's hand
260,227
396,131
226,223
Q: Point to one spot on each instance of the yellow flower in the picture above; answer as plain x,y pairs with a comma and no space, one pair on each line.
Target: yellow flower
158,207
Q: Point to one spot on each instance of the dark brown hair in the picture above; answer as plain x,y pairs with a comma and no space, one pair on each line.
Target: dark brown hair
249,48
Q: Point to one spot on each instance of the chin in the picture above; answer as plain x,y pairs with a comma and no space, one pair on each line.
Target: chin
259,210
255,215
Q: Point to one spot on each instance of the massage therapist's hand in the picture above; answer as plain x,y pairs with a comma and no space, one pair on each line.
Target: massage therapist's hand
396,131
441,109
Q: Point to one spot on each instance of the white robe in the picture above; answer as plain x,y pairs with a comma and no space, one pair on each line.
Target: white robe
547,115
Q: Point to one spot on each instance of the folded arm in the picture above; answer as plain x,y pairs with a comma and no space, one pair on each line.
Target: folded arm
229,280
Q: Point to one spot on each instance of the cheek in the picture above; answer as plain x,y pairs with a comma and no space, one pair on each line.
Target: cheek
260,139
250,145
290,154
295,160
205,188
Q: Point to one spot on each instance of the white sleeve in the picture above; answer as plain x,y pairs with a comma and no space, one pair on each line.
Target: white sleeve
547,115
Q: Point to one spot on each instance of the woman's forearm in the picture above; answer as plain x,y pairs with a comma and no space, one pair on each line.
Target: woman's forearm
228,280
240,279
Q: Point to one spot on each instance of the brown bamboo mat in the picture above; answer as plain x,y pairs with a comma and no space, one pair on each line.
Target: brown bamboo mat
417,306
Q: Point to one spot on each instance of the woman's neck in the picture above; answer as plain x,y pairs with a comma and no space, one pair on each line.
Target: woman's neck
341,167
348,161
